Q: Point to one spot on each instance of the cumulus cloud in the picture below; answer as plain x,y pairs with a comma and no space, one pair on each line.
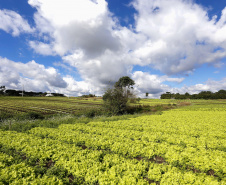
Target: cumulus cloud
180,35
105,69
35,76
41,48
173,37
73,25
12,22
152,84
209,85
78,88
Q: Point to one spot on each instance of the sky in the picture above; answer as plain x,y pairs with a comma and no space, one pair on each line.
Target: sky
78,47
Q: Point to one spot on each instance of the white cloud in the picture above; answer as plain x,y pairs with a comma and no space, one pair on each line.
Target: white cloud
172,36
12,22
209,85
73,25
152,84
68,11
35,76
177,80
180,35
103,70
78,88
41,48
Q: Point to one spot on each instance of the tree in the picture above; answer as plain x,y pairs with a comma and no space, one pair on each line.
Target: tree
126,84
146,94
124,81
167,95
115,101
221,94
2,89
116,98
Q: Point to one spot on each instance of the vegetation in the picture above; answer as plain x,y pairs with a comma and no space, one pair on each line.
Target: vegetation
12,92
221,94
47,106
88,96
116,98
119,150
2,90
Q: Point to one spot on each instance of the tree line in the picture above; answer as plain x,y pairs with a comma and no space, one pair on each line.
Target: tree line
12,92
221,94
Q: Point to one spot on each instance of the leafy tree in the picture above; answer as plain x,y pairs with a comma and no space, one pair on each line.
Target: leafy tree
2,89
115,101
126,84
221,94
124,81
116,98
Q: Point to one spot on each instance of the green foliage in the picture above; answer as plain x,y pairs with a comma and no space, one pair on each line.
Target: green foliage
134,99
115,101
221,94
4,116
124,81
2,90
34,115
93,113
88,96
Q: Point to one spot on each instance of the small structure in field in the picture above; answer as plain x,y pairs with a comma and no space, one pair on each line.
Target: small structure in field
49,94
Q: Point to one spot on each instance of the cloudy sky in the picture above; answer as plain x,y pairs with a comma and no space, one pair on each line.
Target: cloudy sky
79,47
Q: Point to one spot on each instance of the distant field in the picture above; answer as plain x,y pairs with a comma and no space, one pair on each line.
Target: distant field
48,105
59,105
77,106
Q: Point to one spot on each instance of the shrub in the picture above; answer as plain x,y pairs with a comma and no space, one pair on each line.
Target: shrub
134,100
34,115
93,112
115,101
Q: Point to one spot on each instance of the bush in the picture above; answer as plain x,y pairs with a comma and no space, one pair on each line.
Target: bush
115,101
134,100
93,112
34,115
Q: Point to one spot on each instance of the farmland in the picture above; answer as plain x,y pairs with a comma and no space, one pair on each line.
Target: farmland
186,145
47,105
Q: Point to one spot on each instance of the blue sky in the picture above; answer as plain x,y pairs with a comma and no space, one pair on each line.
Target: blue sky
80,47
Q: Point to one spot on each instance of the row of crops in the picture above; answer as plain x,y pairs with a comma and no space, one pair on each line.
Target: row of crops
46,105
181,146
59,105
64,105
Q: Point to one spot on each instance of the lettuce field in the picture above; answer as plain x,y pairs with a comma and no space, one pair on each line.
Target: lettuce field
180,146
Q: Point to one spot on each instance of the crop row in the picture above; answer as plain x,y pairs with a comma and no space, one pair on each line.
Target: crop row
97,166
134,144
45,106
